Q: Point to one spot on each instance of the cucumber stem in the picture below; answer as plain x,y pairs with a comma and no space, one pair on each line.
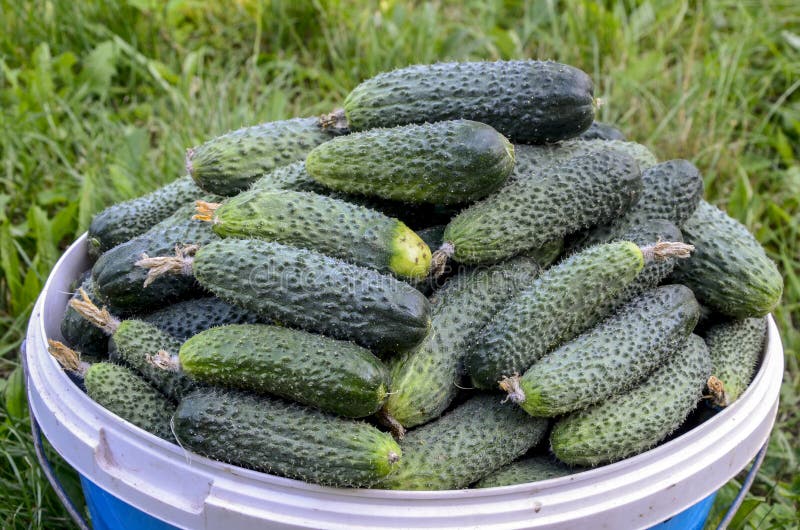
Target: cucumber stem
663,250
180,263
164,361
68,358
716,389
205,211
440,257
515,392
99,318
394,426
334,120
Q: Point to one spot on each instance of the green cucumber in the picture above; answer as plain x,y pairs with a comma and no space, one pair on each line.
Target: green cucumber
524,471
735,347
730,271
78,332
602,131
274,436
448,162
125,220
189,317
329,374
230,163
474,439
529,213
130,397
528,101
611,358
424,380
633,422
337,228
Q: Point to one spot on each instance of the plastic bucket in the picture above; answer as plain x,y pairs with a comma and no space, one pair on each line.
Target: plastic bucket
133,479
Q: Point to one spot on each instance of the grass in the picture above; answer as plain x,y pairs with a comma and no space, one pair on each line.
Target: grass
100,99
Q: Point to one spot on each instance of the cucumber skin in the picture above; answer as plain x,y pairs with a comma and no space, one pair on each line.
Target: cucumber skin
229,164
633,422
424,380
562,302
130,397
125,220
528,213
315,292
444,163
187,318
735,347
526,470
602,131
328,374
79,333
359,235
614,356
729,270
528,101
274,436
469,442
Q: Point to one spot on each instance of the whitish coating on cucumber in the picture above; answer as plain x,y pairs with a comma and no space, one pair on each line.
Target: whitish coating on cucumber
189,317
736,346
526,470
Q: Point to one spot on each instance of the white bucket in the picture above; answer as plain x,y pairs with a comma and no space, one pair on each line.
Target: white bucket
189,491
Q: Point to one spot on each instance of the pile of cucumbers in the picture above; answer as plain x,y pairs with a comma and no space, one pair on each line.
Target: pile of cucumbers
459,279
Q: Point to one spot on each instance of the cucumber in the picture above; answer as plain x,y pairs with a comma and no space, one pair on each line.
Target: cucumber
125,220
311,291
730,271
611,358
424,381
445,163
524,471
528,101
337,228
130,397
469,442
631,423
602,131
189,317
735,347
78,332
331,375
528,213
270,435
230,163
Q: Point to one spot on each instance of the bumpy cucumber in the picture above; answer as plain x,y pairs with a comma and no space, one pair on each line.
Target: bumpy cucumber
424,380
635,421
524,471
120,282
79,333
329,374
602,131
130,397
528,101
230,163
315,292
528,213
729,271
563,301
735,347
274,436
188,318
448,162
126,220
611,358
466,444
337,228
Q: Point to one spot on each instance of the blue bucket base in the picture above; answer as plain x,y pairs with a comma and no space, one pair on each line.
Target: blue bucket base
692,518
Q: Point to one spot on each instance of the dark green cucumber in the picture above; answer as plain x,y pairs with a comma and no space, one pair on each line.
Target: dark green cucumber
315,292
120,282
611,358
283,438
735,347
188,318
230,163
125,220
528,101
524,471
448,162
529,213
424,381
466,444
130,397
79,333
332,375
729,271
562,302
633,422
337,228
602,131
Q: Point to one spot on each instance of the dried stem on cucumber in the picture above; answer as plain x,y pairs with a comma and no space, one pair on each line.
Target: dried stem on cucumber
394,426
663,250
334,120
180,263
68,358
511,386
716,392
440,258
98,317
164,361
205,211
